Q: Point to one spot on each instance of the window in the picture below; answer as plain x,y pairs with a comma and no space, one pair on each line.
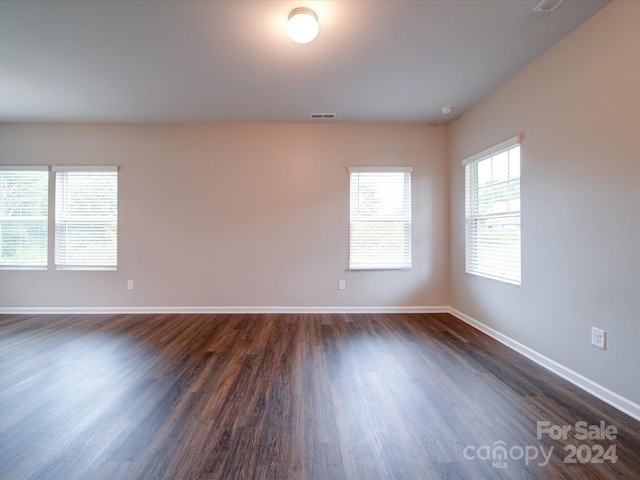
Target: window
380,221
23,217
86,218
492,201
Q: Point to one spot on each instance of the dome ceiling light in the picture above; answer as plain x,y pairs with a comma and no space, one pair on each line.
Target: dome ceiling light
303,25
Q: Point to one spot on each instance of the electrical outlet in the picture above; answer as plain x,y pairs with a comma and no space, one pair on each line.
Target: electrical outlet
342,285
130,284
598,338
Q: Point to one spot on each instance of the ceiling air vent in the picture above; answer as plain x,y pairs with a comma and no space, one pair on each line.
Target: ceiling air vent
322,116
547,5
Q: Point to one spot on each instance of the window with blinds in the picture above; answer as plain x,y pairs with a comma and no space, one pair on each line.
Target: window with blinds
380,219
492,202
24,194
86,219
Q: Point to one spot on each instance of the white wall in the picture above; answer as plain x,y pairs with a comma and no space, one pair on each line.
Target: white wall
578,106
239,215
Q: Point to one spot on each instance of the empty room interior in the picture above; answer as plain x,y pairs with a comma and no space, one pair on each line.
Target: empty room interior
403,245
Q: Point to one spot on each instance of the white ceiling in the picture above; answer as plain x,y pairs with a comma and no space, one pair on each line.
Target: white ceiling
231,61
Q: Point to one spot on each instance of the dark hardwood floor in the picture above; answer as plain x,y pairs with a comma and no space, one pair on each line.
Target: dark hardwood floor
402,396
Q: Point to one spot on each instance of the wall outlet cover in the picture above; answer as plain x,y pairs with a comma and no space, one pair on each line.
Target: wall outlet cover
598,338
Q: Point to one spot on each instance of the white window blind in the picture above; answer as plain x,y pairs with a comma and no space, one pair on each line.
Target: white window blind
24,196
492,201
86,216
380,220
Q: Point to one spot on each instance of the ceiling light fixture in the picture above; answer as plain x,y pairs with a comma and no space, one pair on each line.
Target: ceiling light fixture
447,110
303,25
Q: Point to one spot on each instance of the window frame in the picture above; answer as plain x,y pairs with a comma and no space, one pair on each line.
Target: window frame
41,263
505,266
61,216
356,260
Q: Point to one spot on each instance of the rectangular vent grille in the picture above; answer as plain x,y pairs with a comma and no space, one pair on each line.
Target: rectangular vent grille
322,116
547,5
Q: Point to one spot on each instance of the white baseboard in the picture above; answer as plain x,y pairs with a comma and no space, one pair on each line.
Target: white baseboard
612,398
220,310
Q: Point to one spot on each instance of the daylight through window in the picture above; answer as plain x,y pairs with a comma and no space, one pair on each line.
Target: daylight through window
492,203
23,217
86,218
380,220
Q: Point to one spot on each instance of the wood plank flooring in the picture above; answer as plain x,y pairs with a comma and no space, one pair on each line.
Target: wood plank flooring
384,396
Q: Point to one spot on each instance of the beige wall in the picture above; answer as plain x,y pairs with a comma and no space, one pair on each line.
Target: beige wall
578,106
239,215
